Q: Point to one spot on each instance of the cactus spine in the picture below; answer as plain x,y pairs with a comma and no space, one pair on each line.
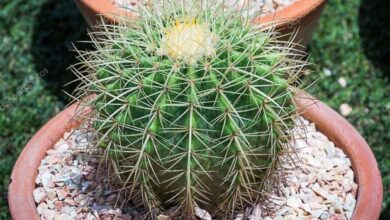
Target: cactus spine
190,106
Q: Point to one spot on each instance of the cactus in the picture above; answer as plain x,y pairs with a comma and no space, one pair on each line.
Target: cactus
191,107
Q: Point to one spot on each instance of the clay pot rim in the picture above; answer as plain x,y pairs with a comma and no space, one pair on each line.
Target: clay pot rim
291,13
330,123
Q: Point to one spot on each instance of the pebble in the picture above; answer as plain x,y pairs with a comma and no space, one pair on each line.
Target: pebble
163,217
41,208
62,217
39,195
49,214
202,214
345,109
327,72
342,81
61,193
319,186
256,213
294,201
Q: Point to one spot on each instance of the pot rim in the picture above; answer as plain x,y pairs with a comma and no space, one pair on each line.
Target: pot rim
288,14
329,122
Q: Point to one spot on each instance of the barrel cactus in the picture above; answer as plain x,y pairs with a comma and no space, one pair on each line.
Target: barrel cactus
191,107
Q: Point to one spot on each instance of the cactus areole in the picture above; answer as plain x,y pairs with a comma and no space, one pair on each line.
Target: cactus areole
191,107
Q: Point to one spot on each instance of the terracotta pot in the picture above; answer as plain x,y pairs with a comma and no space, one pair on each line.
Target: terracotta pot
301,16
329,122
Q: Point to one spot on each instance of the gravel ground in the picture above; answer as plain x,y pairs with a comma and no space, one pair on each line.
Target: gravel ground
254,7
318,183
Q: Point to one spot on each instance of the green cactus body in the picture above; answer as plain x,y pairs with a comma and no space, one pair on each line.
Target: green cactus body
191,107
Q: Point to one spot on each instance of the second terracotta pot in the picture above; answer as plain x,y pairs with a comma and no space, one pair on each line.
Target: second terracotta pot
301,16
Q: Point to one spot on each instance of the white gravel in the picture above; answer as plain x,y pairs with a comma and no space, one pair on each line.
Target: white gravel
67,185
319,180
318,185
253,7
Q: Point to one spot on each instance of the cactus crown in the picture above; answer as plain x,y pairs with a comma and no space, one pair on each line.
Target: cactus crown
190,106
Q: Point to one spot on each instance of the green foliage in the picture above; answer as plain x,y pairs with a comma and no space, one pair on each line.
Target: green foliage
191,107
26,103
337,47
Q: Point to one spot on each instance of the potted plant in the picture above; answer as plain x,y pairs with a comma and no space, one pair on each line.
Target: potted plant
191,113
300,15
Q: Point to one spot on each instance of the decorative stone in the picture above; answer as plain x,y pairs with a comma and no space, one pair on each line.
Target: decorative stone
50,160
350,202
342,82
61,193
62,217
58,205
294,201
345,109
70,201
202,214
41,208
46,180
39,195
256,213
49,214
163,217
